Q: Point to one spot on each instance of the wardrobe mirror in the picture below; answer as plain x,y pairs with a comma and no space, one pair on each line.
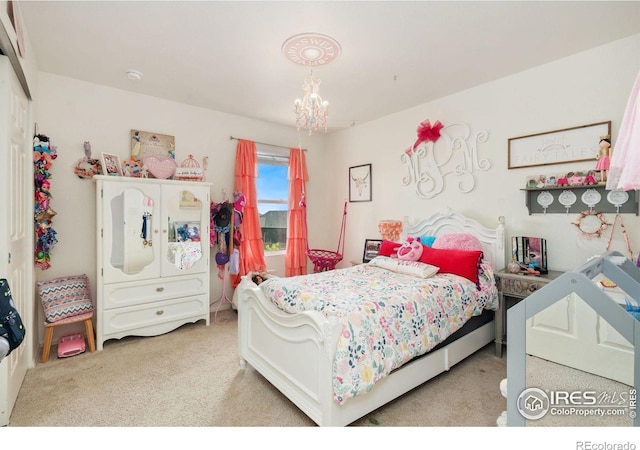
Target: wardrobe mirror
132,231
582,365
184,215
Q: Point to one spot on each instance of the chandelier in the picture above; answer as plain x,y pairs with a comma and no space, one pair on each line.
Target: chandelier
311,111
311,50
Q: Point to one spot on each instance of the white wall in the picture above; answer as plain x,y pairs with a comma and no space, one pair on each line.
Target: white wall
70,112
589,87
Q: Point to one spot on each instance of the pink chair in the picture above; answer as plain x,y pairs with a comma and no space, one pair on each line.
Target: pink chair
66,300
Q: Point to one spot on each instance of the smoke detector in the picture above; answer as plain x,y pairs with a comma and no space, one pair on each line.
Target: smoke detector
134,75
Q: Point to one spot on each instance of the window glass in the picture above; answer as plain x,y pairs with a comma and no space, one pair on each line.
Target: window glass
272,189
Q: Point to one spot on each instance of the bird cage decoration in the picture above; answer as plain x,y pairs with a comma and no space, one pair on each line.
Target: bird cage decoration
190,170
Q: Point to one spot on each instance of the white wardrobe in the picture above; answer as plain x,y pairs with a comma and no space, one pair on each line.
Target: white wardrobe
153,256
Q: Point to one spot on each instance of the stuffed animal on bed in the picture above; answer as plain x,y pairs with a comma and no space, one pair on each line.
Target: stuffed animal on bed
410,250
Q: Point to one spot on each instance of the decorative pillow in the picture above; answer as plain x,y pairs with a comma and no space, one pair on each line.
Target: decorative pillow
458,241
388,248
65,297
428,240
459,262
415,268
410,250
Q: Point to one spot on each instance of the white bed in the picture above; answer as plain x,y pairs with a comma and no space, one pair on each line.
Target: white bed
295,352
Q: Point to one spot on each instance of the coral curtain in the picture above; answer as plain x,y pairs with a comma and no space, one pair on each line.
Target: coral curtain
296,256
251,245
624,172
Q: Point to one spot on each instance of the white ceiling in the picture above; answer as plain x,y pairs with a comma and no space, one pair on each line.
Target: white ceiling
226,55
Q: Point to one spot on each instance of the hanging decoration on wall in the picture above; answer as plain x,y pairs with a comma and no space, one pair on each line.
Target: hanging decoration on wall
45,236
443,151
591,223
426,133
87,167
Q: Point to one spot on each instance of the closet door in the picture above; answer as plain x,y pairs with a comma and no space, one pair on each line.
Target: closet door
16,227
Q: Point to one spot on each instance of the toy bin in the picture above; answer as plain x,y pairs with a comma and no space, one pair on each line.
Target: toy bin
71,345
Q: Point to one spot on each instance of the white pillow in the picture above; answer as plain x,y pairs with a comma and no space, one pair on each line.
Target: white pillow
415,268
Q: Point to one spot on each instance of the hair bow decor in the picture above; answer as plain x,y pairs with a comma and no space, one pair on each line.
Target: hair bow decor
43,155
426,133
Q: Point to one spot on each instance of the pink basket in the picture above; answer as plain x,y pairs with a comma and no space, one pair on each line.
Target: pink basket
71,345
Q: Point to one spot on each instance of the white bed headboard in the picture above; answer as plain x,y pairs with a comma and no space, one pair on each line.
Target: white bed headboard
492,239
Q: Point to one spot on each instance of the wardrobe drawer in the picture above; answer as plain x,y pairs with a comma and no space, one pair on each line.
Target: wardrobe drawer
136,293
147,320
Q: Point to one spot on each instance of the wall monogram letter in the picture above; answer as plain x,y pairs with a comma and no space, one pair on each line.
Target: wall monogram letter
450,151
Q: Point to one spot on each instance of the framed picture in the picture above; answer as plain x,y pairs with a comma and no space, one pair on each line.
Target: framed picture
360,183
111,165
145,143
187,231
556,147
371,249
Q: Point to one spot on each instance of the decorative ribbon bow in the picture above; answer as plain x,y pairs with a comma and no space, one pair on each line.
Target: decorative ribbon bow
426,133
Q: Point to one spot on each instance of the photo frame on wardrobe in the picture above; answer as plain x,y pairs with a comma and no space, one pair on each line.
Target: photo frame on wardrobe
111,165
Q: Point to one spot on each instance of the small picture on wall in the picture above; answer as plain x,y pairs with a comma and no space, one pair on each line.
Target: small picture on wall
360,183
111,164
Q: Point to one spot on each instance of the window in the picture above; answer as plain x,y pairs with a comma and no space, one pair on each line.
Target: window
272,190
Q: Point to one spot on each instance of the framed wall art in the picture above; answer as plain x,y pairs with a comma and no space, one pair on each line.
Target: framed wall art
111,164
144,143
371,249
360,183
556,147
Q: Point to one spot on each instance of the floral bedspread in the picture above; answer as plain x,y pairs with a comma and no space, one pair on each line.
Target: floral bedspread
387,318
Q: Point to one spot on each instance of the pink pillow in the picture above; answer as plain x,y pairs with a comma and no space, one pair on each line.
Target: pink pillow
458,262
388,248
458,241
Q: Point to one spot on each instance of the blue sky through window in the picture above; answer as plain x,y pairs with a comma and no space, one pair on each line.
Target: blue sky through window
272,184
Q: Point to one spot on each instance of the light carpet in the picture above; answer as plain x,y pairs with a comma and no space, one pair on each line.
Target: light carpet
191,377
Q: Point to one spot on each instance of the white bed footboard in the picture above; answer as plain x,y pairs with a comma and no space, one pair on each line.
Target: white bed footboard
294,352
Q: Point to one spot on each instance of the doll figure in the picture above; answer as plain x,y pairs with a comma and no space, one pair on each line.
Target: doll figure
604,157
562,181
590,179
257,278
574,178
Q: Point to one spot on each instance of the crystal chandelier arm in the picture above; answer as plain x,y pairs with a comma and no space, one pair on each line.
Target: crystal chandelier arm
311,111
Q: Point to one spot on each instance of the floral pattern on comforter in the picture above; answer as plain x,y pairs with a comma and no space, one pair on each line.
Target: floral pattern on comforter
387,318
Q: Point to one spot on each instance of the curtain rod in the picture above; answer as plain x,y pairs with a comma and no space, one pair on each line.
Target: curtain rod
264,143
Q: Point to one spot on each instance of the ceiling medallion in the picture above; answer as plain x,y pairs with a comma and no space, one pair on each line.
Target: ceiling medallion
311,49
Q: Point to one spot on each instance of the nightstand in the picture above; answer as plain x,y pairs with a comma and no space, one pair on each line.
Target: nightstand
513,288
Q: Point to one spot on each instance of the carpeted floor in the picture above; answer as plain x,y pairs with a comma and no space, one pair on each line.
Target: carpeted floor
191,378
